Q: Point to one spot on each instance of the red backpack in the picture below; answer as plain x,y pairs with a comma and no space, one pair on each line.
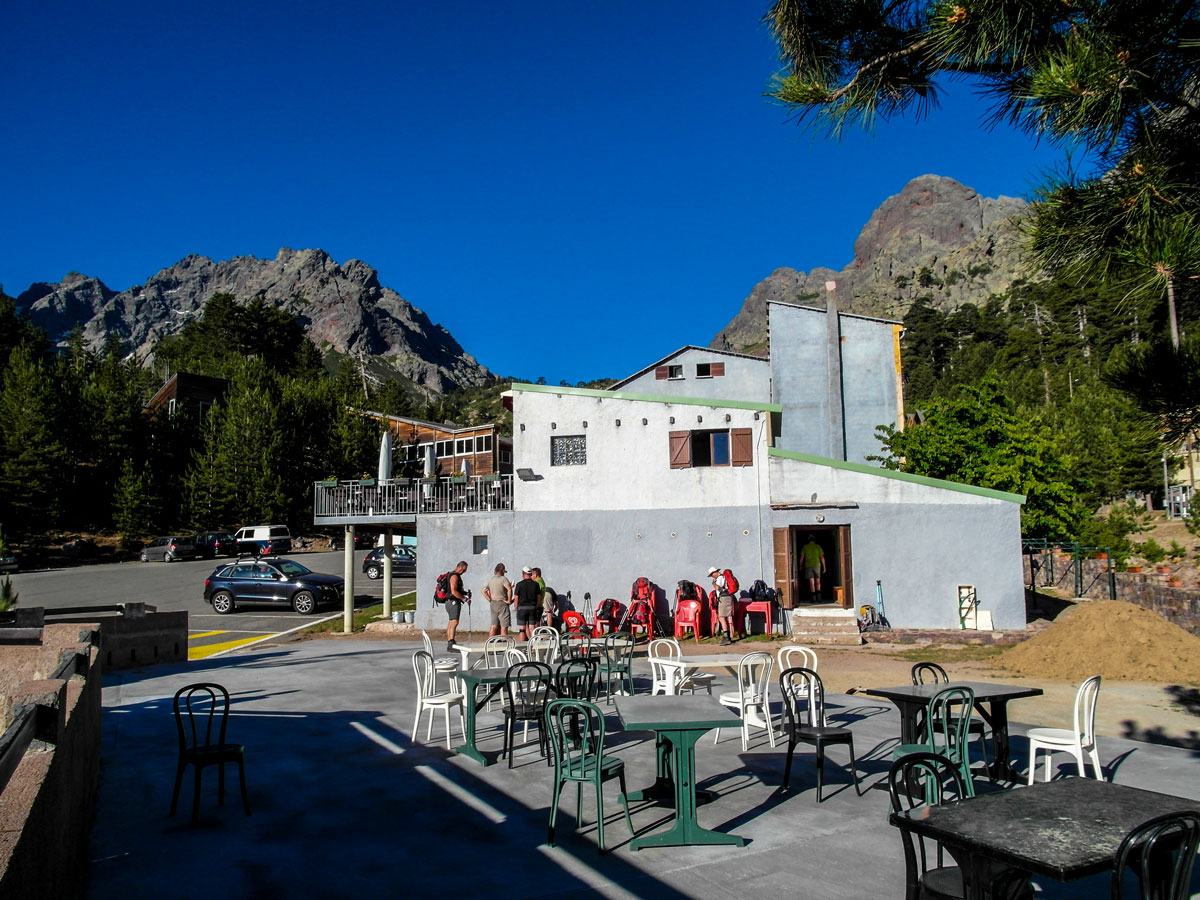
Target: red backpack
731,583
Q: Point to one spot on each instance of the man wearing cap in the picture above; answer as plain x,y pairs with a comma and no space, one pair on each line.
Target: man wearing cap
526,594
500,595
724,603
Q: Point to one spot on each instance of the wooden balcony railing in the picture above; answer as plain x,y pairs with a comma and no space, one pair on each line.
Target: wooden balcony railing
369,500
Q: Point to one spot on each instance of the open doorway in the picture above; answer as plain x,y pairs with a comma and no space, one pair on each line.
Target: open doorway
835,585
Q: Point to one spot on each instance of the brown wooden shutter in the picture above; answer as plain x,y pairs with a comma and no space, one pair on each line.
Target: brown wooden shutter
681,449
741,446
661,373
845,570
783,568
716,370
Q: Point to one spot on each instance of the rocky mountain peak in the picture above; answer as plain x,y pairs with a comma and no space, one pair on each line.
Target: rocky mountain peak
936,239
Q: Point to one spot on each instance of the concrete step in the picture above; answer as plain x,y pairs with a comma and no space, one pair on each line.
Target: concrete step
825,625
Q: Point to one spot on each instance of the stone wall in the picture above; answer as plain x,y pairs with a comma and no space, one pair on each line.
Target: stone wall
1180,606
47,806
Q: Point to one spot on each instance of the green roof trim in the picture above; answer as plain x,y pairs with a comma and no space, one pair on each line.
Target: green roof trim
647,398
864,469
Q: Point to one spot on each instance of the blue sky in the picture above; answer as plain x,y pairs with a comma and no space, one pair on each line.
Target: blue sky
572,190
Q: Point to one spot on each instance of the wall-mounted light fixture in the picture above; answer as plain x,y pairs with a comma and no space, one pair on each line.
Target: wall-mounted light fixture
526,475
553,425
645,422
618,423
672,420
699,418
728,417
585,423
756,417
522,426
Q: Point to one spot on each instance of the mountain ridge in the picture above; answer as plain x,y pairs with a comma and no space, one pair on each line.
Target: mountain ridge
343,307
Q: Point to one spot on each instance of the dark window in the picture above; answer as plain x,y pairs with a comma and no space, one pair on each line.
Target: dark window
710,370
675,372
691,449
483,443
479,544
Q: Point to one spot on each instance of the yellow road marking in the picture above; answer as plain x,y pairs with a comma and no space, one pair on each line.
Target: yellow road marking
205,634
210,649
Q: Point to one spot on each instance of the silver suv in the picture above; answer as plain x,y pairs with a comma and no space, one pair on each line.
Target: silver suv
169,549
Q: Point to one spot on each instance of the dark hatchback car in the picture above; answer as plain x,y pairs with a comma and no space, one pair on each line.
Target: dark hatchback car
404,562
271,581
211,544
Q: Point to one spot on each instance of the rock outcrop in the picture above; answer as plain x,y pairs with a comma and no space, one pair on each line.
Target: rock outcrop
936,238
343,307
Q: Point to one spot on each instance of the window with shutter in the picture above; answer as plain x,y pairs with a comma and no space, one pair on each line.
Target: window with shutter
716,370
661,373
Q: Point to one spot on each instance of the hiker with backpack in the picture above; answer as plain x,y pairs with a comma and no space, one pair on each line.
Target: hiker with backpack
726,586
452,595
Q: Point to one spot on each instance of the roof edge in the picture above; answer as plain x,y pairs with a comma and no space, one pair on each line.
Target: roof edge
925,480
646,398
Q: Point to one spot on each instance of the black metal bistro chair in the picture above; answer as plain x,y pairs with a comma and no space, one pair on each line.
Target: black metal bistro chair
201,714
804,701
1160,853
527,689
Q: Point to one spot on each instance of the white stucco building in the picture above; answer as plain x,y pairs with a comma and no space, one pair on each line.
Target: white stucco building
668,473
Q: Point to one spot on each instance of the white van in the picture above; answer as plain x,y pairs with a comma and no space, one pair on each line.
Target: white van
263,540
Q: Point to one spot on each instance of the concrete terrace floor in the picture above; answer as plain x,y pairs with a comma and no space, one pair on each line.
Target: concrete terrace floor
345,803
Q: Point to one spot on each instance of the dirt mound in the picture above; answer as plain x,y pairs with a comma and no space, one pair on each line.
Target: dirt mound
1118,640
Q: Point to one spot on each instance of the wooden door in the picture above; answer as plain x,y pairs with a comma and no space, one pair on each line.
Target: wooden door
784,575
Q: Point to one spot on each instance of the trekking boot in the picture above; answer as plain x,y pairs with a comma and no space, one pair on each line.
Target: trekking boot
450,645
725,641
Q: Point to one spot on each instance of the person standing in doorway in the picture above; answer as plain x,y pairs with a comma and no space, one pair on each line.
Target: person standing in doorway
812,557
526,593
500,597
724,604
458,596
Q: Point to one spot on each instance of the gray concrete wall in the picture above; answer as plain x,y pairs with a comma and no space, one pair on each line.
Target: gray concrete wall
602,551
800,378
870,378
920,551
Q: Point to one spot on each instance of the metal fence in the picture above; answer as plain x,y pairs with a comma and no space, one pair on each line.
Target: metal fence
369,498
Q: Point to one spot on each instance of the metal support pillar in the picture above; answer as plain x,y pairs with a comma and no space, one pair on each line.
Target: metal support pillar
348,575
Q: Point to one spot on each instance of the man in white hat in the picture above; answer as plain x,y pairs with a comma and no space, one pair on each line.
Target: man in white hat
724,603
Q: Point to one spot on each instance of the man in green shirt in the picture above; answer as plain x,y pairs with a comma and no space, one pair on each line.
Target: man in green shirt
813,559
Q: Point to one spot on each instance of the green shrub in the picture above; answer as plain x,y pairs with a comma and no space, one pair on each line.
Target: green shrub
1151,551
8,596
1176,550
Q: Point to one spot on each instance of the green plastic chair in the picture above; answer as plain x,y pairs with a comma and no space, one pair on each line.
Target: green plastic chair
577,742
947,720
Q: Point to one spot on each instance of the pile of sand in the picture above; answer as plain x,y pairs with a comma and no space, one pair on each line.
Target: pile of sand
1117,640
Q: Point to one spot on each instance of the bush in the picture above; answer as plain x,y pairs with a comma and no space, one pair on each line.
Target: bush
1176,550
1152,551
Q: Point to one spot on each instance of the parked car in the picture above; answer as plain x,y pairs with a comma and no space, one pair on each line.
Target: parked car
169,549
263,540
270,581
404,562
337,541
211,544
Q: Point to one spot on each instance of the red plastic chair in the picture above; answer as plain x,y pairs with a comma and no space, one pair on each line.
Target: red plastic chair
689,615
574,620
610,622
714,621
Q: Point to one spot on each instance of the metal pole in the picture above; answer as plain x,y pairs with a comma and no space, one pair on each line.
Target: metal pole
387,573
348,575
1166,489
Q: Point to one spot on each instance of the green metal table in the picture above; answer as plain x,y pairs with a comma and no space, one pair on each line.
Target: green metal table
678,722
495,679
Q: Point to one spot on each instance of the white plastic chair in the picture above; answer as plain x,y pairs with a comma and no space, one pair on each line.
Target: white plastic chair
440,663
662,678
512,656
429,699
543,649
495,650
792,656
1077,742
752,700
545,631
